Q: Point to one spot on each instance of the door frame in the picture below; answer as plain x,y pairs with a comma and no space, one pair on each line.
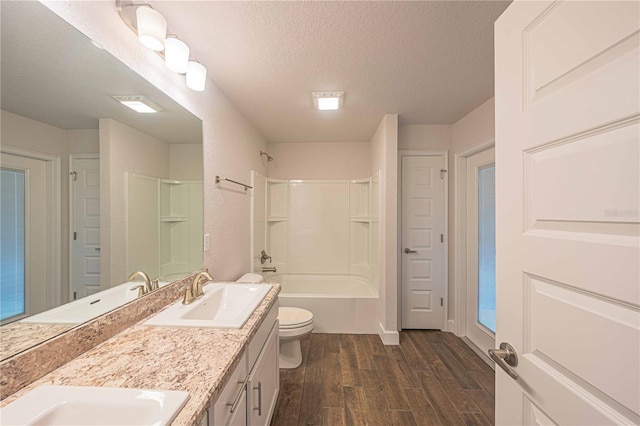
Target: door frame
444,153
460,242
54,223
72,196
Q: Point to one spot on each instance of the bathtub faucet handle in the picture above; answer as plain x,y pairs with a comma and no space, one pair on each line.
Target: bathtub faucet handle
264,256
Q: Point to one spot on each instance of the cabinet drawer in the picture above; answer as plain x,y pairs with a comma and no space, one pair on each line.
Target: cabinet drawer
220,413
258,340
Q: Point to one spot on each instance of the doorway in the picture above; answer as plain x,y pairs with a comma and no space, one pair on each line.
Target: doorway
481,249
423,239
30,229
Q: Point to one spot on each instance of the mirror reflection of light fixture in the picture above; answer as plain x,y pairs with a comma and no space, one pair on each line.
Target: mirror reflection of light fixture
152,27
139,104
196,75
176,54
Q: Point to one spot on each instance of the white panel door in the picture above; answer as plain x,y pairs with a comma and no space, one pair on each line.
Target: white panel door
567,185
85,227
422,242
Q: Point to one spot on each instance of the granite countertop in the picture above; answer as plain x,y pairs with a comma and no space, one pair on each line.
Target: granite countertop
197,360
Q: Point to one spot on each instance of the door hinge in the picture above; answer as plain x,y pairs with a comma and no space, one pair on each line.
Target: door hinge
442,238
75,236
74,175
442,172
441,301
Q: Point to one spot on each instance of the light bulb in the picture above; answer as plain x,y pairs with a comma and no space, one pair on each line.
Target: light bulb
196,75
176,54
152,28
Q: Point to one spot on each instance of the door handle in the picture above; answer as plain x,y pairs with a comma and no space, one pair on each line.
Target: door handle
408,251
505,356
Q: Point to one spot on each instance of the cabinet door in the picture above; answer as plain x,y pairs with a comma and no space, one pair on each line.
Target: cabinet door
233,397
263,384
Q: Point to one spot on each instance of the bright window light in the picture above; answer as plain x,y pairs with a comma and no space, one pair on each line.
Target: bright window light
327,101
139,104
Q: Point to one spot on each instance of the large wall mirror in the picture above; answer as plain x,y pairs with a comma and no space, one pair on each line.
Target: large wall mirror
91,189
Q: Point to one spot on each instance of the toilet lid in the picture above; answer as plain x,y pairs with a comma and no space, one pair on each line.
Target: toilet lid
294,317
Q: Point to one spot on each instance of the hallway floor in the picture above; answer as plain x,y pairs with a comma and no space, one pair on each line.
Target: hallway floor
432,378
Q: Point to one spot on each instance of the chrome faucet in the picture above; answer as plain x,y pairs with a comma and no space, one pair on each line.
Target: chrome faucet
270,269
264,256
194,291
147,282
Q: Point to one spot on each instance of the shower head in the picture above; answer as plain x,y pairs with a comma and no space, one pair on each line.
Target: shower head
269,158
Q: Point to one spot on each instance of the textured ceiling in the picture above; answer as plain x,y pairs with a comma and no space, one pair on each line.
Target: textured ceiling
52,73
431,62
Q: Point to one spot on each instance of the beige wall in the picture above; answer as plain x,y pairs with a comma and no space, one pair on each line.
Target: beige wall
424,136
384,157
31,135
123,149
472,130
231,144
327,160
185,161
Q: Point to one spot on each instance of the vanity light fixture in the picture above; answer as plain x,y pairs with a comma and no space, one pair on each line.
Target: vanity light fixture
139,104
328,101
176,54
151,28
196,75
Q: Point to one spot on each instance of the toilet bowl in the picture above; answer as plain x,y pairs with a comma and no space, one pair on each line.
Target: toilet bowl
295,323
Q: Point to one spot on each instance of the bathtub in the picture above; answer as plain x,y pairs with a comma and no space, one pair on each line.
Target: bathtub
340,303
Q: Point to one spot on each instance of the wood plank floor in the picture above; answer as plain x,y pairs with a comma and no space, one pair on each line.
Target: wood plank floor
432,378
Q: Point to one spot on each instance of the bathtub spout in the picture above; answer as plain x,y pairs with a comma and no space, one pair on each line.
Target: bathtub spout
269,269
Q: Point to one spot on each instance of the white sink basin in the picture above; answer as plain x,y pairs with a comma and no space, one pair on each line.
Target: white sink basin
222,306
79,405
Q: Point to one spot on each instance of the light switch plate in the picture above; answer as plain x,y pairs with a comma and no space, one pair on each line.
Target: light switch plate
207,242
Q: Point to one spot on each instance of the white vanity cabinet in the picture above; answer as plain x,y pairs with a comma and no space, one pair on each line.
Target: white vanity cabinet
250,395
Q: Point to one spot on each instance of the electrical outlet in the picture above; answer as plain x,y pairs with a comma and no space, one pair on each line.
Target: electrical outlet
207,242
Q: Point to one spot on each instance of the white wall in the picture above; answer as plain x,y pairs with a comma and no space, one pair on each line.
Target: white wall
326,160
474,129
231,144
31,135
384,157
123,149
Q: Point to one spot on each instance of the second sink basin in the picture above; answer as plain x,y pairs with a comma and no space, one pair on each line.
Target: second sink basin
77,405
222,306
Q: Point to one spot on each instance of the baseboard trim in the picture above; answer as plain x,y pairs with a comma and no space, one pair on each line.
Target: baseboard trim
389,337
451,327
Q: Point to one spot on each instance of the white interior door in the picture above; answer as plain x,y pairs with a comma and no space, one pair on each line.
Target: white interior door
567,146
422,242
25,253
481,249
85,227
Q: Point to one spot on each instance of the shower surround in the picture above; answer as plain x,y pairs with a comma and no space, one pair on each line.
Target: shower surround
323,237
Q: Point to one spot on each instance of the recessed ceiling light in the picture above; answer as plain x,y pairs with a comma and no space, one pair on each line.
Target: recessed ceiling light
328,101
139,104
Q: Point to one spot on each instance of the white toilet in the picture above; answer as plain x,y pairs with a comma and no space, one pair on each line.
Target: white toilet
295,323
